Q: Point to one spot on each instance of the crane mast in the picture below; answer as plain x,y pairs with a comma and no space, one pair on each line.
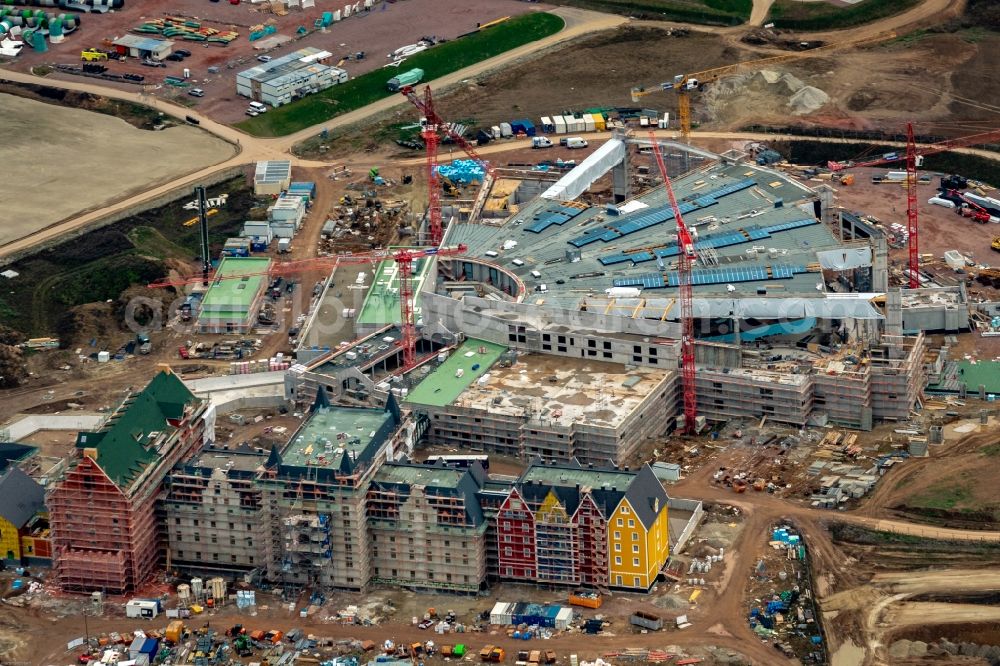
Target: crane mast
433,128
912,157
686,256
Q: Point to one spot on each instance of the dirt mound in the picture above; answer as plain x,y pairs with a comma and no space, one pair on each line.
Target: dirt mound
769,91
808,99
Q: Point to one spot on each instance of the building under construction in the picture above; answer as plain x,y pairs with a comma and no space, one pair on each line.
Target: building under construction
105,530
315,493
427,528
214,512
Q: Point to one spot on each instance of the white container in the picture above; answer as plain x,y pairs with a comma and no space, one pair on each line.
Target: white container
103,356
560,124
954,259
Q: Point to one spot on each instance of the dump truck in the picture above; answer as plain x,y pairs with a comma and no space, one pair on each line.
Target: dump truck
409,78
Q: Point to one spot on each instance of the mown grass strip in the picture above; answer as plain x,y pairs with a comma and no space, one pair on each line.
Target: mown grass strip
436,62
822,16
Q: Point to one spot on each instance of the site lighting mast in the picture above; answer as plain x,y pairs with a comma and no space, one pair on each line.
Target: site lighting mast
404,258
433,127
686,257
914,158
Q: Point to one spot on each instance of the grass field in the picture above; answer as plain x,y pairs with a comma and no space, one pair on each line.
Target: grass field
710,12
436,62
941,496
101,264
822,16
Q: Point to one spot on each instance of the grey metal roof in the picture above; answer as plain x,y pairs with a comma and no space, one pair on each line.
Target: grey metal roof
647,496
21,497
733,212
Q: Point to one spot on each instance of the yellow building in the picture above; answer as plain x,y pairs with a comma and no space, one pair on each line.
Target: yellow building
638,534
21,498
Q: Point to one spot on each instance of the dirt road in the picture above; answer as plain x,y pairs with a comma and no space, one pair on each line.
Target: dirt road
922,612
759,12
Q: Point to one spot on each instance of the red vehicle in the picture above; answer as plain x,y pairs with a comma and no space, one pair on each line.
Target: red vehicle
182,352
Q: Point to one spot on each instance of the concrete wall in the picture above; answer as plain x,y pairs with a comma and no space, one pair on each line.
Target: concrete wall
697,513
28,425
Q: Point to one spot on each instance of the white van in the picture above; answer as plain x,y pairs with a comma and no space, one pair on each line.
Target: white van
492,254
536,275
258,107
575,142
518,263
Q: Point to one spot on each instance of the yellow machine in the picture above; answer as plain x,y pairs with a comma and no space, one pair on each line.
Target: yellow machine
90,55
996,244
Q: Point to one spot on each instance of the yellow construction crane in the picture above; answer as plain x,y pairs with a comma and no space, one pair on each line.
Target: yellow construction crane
683,84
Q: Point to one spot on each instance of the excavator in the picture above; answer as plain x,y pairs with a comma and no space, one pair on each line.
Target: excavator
448,186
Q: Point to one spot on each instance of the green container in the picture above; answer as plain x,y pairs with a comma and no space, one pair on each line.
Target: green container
458,650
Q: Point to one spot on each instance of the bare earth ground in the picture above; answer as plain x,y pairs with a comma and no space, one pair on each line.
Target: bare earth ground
386,28
60,161
928,79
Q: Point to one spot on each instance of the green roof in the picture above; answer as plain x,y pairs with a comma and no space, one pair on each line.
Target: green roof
381,304
443,386
422,475
980,373
348,430
124,446
227,296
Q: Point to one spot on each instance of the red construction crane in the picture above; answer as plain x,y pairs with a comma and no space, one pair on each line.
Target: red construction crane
686,257
913,158
434,125
404,258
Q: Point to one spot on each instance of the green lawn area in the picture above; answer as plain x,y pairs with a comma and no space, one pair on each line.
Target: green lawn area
710,12
941,496
823,16
436,62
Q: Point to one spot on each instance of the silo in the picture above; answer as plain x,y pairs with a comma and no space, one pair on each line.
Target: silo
217,587
37,41
197,587
184,594
56,31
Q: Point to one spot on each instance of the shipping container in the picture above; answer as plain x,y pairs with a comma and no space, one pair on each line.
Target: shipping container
559,125
409,78
142,608
646,621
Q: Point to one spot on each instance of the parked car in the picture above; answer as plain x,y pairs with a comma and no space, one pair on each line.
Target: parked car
264,58
153,63
183,52
175,57
196,92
